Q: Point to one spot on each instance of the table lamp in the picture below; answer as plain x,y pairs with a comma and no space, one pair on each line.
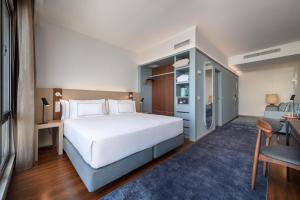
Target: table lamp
272,99
44,104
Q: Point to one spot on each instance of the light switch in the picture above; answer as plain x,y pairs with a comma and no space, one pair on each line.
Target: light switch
57,106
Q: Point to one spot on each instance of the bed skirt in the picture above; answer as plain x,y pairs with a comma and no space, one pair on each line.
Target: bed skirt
97,178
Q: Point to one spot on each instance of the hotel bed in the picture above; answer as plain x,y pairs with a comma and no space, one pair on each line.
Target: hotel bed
104,148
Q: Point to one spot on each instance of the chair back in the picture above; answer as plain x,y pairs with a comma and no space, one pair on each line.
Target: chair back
264,127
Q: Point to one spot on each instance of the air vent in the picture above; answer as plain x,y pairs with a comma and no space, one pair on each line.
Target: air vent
262,53
181,44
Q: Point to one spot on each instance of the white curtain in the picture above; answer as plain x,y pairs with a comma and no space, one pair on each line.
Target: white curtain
26,85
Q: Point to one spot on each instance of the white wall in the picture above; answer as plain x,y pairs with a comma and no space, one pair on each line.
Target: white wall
210,49
288,49
67,59
166,47
257,81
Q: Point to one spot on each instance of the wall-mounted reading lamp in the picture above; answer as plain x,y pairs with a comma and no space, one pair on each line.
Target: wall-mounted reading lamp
57,97
130,95
58,94
44,104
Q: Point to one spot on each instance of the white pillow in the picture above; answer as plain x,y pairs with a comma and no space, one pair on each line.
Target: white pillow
121,106
181,63
112,106
65,109
87,108
125,107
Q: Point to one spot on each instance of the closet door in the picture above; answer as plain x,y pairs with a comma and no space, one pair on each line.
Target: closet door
163,91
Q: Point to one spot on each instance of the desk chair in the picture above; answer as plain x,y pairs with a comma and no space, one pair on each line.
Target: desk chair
281,155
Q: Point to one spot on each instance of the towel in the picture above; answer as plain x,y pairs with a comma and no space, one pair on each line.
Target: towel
182,78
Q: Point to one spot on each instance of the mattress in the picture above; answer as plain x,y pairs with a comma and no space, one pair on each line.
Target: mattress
106,139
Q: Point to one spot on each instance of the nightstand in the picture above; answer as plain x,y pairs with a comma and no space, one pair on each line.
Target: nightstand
59,137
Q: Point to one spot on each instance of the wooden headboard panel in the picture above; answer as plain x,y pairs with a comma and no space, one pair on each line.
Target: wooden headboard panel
78,95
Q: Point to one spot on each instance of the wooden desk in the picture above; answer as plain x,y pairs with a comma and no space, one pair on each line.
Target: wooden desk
278,186
295,129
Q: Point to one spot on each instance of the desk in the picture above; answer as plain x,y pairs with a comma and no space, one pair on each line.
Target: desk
294,124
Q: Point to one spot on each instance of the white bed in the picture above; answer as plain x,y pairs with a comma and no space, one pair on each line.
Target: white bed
106,139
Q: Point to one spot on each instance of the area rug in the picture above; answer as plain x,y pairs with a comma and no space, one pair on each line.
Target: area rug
218,166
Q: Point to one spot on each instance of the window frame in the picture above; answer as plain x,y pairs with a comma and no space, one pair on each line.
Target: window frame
7,116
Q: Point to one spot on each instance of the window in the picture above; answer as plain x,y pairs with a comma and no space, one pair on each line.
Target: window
5,89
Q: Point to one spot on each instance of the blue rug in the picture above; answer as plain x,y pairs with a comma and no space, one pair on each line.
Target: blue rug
218,166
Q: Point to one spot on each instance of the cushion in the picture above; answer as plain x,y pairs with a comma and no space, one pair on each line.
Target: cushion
271,108
181,63
283,153
87,108
283,107
65,109
121,106
125,107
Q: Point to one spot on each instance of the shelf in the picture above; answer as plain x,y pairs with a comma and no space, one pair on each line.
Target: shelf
183,68
183,83
183,55
185,97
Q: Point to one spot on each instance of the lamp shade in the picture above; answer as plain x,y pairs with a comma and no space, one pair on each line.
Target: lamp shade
272,99
45,102
130,95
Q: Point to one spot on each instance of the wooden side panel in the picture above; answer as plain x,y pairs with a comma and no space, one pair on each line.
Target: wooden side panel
49,94
163,91
93,94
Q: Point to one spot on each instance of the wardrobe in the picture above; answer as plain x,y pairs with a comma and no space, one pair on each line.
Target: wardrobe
199,90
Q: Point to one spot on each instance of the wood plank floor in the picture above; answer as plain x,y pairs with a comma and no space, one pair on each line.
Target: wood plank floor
278,186
55,178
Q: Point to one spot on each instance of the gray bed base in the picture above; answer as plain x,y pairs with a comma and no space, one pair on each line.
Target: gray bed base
97,178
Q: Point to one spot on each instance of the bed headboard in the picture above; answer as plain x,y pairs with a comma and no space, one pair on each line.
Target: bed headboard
67,94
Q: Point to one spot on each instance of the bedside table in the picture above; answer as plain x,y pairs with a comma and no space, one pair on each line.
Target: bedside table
59,137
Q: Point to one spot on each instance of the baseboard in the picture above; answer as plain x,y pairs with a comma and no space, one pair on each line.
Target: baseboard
256,116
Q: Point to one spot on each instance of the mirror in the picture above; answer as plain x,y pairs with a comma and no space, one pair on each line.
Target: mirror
209,95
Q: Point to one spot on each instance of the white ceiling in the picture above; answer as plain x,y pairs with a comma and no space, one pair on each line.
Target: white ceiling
234,26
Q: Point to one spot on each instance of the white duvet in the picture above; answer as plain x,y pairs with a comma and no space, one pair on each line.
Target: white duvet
106,139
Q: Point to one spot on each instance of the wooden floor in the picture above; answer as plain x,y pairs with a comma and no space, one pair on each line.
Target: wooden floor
55,178
278,186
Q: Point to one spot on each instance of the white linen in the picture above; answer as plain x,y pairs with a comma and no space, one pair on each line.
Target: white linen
121,106
182,78
65,109
181,63
125,107
109,138
87,108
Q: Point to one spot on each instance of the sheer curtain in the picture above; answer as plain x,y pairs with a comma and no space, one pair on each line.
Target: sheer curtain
24,135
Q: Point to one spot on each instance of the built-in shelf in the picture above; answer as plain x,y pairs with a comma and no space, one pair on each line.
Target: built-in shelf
183,68
183,83
182,88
